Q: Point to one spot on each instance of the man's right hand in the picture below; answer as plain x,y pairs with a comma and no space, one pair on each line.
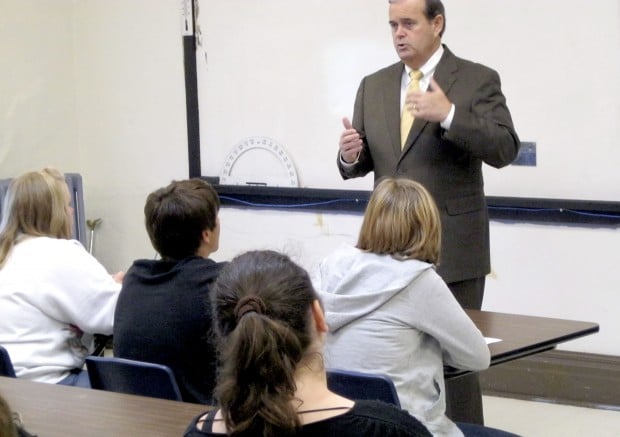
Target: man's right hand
350,143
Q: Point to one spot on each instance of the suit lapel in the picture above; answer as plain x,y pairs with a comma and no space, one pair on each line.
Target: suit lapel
445,73
391,105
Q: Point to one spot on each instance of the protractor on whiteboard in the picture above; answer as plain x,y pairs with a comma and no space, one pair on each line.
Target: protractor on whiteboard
259,161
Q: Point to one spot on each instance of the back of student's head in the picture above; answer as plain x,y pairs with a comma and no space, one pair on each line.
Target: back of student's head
177,215
262,310
401,220
7,425
37,204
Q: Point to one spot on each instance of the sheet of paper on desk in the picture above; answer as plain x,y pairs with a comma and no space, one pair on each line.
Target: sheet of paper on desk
490,340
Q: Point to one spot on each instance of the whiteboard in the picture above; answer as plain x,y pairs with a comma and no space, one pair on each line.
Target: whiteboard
288,71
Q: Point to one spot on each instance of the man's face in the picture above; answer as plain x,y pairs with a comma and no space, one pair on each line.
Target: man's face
415,38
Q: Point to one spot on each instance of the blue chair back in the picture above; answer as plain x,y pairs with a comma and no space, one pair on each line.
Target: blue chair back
6,365
359,385
74,182
132,377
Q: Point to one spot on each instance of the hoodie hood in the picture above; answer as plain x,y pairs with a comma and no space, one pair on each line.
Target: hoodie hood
352,283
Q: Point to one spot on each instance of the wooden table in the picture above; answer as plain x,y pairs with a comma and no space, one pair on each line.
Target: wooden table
523,335
50,410
58,411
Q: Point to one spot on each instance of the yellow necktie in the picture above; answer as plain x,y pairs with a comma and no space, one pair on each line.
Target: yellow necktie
406,119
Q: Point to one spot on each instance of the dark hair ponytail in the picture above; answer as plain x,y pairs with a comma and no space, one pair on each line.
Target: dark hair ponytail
261,306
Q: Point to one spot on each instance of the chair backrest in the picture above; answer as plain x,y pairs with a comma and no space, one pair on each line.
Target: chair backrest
359,385
74,182
6,365
132,377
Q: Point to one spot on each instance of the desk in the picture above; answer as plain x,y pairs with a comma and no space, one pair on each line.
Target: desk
50,410
523,335
53,410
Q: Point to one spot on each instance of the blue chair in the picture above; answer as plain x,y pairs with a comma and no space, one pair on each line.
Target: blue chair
359,385
132,377
6,365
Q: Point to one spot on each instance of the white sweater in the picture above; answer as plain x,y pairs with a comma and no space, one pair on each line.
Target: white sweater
400,319
53,296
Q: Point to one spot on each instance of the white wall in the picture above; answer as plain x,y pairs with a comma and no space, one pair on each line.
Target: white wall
96,87
37,99
130,106
558,271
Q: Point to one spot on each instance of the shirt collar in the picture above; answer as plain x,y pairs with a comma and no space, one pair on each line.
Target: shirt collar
428,69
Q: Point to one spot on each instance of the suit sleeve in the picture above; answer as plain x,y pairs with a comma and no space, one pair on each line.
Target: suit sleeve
364,164
485,129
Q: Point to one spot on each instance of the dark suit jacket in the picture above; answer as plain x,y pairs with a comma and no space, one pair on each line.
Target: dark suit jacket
447,163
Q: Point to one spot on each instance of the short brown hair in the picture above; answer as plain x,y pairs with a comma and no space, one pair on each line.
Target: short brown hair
432,9
176,216
401,220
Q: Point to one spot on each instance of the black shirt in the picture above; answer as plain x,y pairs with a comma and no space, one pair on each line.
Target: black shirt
364,419
163,316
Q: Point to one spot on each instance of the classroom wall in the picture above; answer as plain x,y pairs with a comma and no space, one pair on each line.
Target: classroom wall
37,99
130,105
96,87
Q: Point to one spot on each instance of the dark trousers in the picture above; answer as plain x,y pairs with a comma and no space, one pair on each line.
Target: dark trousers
463,394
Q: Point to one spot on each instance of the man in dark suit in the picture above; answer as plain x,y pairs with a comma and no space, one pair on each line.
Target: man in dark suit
460,121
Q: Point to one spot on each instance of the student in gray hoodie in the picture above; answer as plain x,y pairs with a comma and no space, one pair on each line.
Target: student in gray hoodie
389,311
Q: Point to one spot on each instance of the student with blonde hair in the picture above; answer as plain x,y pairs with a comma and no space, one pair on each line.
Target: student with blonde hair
7,424
54,296
271,382
10,422
389,311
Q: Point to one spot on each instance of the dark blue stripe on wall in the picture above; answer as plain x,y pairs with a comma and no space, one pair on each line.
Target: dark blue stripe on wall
601,213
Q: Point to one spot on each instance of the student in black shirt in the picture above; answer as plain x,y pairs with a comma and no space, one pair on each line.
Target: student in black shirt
163,314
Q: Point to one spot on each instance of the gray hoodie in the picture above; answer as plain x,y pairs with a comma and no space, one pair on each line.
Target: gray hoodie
400,319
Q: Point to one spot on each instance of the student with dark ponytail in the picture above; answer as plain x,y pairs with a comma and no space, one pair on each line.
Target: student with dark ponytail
270,331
